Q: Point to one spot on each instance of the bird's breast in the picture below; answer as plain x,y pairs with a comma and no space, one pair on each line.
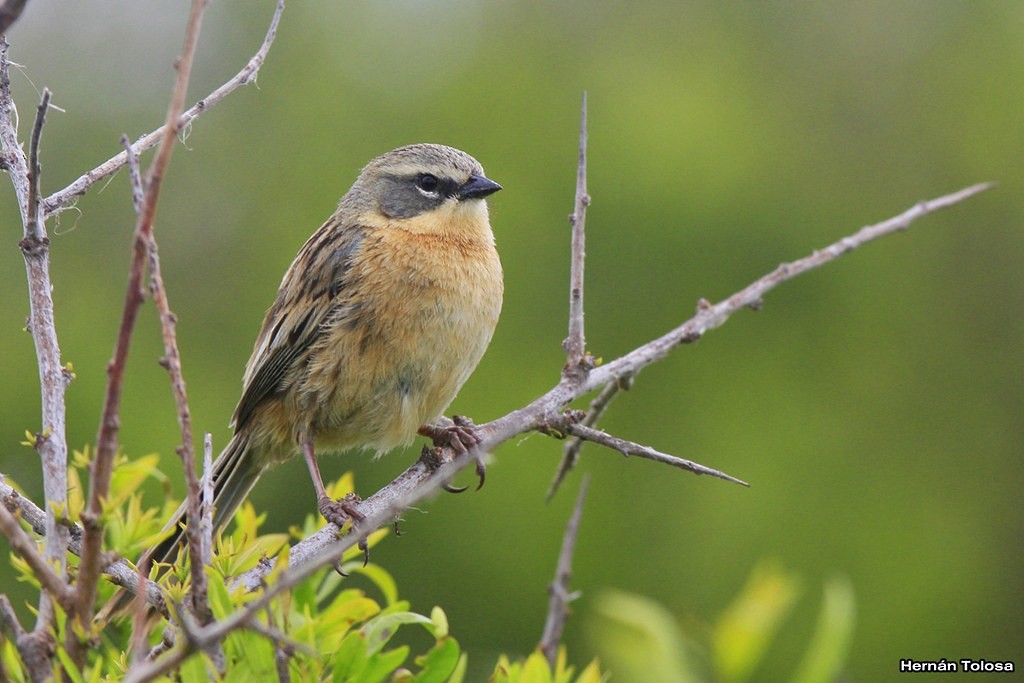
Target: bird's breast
414,318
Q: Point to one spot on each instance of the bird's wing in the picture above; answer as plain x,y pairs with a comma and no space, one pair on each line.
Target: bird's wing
303,304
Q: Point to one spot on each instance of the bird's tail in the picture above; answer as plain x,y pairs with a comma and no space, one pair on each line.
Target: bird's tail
235,472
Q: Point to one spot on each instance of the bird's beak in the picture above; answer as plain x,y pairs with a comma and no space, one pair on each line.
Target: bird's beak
477,187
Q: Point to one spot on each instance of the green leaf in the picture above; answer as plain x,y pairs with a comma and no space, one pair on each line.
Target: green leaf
747,626
194,670
440,621
379,631
69,666
382,665
130,474
826,655
639,640
252,657
350,658
459,674
350,608
592,674
382,580
11,661
535,669
439,663
304,596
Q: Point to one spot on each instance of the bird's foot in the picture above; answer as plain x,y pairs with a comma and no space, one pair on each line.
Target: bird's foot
341,512
460,436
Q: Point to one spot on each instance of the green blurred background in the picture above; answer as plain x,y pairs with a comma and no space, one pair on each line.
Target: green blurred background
874,405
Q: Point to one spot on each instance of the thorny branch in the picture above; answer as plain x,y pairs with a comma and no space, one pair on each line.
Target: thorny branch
172,358
143,246
575,344
49,442
118,571
558,603
25,546
574,444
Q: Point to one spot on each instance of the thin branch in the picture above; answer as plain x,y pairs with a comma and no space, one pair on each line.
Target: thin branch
52,435
558,604
206,528
574,444
30,513
50,442
143,245
33,229
172,362
24,546
709,316
134,175
629,448
59,200
13,161
575,344
415,484
119,571
172,358
9,623
33,646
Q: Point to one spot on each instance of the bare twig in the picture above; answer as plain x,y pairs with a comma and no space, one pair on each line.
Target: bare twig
119,571
50,442
33,228
709,316
14,161
9,623
107,440
206,528
172,362
558,604
172,359
30,513
629,448
58,200
24,546
52,434
284,647
574,444
575,344
134,175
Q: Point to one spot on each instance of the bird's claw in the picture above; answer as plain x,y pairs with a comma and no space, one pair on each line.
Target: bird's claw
340,512
460,436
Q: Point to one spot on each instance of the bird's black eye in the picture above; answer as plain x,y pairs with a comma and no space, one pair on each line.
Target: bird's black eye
427,182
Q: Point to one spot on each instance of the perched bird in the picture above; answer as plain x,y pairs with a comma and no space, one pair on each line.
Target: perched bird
380,319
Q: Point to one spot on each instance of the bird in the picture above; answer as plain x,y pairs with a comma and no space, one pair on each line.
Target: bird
381,318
